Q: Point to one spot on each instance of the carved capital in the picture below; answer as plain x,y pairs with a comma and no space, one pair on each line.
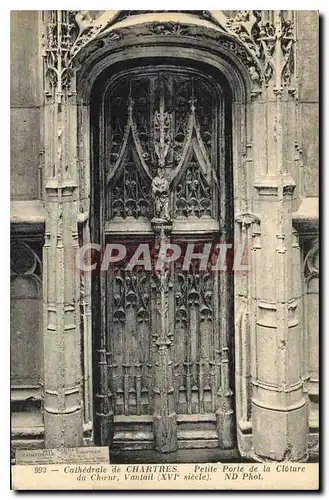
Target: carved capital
247,218
272,186
306,219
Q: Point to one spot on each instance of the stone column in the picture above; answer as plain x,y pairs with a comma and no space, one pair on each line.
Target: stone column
62,351
279,410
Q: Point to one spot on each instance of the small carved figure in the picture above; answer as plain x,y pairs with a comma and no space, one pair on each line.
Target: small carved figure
160,192
254,75
287,28
266,29
84,21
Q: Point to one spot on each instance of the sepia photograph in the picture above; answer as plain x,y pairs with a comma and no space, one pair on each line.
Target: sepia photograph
164,253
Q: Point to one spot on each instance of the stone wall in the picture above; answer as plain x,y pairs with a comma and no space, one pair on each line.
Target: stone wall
308,94
26,229
26,102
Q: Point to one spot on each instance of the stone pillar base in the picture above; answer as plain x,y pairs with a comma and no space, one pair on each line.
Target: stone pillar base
280,435
165,432
225,428
63,430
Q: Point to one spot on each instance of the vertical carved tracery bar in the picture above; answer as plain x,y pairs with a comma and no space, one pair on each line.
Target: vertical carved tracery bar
165,427
63,390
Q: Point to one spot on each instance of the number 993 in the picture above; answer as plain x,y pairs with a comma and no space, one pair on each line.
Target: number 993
40,470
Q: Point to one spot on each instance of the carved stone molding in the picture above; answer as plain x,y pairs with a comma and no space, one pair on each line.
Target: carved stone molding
264,47
247,218
63,391
306,219
270,186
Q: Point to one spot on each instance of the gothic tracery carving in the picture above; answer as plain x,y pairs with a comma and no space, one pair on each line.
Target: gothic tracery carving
172,150
130,308
131,290
24,261
162,121
264,39
256,41
193,193
195,287
58,35
130,194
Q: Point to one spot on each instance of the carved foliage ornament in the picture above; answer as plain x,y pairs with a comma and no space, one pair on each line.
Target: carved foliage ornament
266,40
59,31
265,46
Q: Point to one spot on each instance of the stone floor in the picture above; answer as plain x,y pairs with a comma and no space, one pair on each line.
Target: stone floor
180,456
183,456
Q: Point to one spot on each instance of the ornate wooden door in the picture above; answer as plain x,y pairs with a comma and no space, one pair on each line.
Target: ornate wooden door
163,334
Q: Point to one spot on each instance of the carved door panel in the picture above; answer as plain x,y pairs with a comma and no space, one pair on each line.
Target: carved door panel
163,352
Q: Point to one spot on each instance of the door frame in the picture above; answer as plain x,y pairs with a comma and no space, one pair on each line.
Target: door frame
266,168
223,419
218,59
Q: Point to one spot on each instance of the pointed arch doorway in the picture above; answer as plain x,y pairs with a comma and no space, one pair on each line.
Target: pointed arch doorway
163,342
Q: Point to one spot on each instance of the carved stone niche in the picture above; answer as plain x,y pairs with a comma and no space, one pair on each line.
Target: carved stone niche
26,340
307,222
27,218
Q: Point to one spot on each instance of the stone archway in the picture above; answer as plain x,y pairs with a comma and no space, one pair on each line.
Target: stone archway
191,395
236,87
267,395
